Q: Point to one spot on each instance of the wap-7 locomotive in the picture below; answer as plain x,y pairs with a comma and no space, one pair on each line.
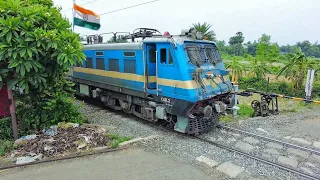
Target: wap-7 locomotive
180,80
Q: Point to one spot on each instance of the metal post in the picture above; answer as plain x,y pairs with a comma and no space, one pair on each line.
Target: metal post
74,2
144,70
13,115
309,83
157,73
235,108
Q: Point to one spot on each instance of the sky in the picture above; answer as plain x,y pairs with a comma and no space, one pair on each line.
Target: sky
287,21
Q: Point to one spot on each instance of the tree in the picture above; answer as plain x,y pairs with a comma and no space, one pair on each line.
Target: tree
258,69
205,30
236,43
296,68
237,69
37,49
251,47
267,51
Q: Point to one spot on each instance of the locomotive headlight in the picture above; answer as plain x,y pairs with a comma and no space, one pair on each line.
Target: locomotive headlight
199,35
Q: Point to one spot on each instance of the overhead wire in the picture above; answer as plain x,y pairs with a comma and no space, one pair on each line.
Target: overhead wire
129,7
117,9
81,5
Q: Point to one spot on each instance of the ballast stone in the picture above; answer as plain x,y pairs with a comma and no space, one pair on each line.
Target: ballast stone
310,164
298,152
272,151
244,146
288,161
316,144
207,161
230,169
302,141
251,140
274,145
306,170
315,157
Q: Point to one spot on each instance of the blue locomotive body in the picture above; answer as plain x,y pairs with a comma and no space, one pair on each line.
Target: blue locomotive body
176,79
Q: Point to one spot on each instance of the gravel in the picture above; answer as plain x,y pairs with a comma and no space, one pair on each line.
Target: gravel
179,146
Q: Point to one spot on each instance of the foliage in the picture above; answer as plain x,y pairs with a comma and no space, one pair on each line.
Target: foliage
245,110
47,111
227,118
296,68
251,47
37,47
236,44
205,30
267,51
258,69
5,129
6,146
309,49
237,68
276,87
117,139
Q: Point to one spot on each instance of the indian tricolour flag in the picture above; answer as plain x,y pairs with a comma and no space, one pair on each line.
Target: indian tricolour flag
86,18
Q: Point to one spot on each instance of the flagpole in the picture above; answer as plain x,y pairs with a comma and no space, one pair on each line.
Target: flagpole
74,2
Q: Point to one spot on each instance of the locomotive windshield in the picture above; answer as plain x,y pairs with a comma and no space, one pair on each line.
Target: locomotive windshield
195,54
200,54
213,54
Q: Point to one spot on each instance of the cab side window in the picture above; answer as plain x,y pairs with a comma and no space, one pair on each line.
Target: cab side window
163,56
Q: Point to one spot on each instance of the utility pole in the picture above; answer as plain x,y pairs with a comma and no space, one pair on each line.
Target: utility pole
13,114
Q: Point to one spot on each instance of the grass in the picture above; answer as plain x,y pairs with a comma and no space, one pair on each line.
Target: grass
227,118
6,146
245,110
117,139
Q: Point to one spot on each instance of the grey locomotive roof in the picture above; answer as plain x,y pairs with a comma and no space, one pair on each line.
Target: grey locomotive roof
114,46
138,45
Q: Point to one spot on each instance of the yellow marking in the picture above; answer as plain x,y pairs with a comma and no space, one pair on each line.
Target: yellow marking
189,84
316,102
281,96
297,98
119,75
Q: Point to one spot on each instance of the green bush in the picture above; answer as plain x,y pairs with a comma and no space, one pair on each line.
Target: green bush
5,146
245,110
5,129
275,87
37,49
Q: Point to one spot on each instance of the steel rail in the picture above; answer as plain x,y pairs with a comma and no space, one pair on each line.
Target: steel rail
270,139
237,151
63,158
258,158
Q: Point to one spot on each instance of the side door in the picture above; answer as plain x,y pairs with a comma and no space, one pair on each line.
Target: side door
151,66
166,68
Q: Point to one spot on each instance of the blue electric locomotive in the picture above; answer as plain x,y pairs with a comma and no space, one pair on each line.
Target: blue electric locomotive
178,79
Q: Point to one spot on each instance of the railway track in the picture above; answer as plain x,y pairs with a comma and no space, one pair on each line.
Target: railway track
240,152
270,139
280,166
